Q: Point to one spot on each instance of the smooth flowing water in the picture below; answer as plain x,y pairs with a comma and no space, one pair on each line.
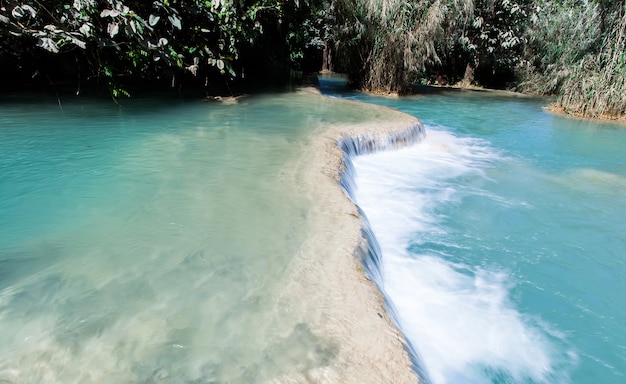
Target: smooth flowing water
151,242
503,239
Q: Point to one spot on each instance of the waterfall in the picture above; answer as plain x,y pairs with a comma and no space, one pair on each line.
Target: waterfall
370,254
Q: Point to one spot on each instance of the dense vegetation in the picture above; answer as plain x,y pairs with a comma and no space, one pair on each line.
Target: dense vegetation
577,51
573,49
118,42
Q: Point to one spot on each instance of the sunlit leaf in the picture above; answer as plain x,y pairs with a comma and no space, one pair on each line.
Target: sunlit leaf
48,44
79,43
85,29
18,12
113,29
29,9
193,69
175,21
153,20
110,13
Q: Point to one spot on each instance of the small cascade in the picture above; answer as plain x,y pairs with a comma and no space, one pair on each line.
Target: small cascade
371,254
366,143
375,142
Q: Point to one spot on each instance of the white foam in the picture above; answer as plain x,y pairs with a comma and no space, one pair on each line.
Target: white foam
458,316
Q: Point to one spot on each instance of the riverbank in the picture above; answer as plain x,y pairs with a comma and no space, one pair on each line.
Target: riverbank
552,107
562,112
329,284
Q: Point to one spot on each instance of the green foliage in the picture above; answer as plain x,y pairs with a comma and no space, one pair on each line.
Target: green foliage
596,86
576,51
570,48
397,43
145,39
497,32
386,44
560,35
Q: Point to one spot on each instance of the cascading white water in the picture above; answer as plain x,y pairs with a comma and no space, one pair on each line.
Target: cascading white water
371,143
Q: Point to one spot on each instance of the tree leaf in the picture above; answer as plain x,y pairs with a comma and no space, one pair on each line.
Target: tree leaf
175,21
110,13
231,71
153,20
18,12
30,10
193,69
79,43
113,29
48,44
85,29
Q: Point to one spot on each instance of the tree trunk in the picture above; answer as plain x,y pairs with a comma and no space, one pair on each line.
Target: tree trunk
327,58
468,77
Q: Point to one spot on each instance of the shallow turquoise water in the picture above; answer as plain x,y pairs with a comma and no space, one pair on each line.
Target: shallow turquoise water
151,242
503,239
139,244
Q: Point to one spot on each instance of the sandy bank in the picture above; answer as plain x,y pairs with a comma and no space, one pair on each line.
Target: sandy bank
337,302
